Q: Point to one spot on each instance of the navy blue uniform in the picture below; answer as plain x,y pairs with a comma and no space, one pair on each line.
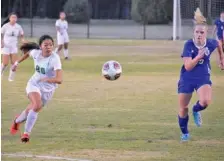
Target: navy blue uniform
200,74
220,28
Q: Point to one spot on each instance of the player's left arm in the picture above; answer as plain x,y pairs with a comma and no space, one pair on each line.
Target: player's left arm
66,25
21,34
58,69
57,79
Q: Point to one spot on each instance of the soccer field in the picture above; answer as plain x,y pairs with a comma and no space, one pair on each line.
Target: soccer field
131,119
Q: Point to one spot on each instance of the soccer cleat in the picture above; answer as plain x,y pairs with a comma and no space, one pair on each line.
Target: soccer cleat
25,138
14,127
197,118
185,137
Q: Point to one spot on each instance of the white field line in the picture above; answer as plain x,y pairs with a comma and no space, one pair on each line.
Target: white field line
42,157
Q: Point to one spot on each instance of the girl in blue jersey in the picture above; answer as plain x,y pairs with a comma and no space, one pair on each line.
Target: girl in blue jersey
219,29
195,74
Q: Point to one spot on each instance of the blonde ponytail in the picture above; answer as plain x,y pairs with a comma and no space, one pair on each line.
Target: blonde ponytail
199,19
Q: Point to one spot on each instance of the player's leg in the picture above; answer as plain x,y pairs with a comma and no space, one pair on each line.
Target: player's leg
60,43
66,41
205,95
35,99
185,90
20,119
5,59
13,58
184,100
66,50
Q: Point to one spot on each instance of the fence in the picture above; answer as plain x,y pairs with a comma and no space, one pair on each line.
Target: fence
37,20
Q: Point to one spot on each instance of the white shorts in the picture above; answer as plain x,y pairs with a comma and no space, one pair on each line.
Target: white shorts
6,50
45,96
62,39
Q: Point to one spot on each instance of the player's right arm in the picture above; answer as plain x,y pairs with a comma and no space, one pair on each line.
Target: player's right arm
190,63
3,29
58,27
28,50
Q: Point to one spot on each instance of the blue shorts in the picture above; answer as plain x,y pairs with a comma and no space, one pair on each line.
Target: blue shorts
189,86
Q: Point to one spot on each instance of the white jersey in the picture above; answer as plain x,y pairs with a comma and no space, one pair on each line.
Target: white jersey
45,67
62,25
11,34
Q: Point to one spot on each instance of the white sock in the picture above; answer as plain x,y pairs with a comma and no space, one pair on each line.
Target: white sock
3,67
66,53
22,117
31,120
11,75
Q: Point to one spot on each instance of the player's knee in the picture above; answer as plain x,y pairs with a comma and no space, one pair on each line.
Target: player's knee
37,106
205,102
65,46
59,47
5,64
183,111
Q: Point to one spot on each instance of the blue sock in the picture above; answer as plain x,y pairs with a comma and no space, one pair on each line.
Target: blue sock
197,107
183,123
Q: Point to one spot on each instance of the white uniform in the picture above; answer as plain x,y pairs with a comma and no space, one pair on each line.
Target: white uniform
62,34
10,40
45,67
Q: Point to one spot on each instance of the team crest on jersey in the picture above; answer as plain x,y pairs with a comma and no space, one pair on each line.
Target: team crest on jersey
207,52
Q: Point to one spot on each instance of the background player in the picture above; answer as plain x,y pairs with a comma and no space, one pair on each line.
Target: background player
41,86
62,34
195,74
10,33
219,29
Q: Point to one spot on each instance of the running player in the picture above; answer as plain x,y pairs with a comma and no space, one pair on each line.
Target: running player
62,34
195,74
9,34
219,29
41,86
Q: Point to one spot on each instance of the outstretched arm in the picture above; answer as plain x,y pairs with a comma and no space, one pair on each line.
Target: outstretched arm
26,48
21,59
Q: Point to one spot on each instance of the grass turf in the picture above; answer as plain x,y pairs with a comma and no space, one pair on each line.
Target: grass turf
131,119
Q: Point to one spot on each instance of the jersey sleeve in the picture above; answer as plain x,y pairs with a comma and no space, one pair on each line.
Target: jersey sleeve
216,22
3,29
215,44
33,53
187,50
66,25
57,63
21,30
57,23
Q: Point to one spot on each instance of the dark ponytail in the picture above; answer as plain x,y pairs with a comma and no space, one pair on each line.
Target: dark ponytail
32,45
29,46
7,19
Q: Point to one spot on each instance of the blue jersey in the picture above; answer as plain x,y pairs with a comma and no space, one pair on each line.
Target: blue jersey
220,28
202,70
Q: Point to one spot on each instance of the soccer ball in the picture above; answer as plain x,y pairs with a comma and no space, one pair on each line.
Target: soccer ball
111,70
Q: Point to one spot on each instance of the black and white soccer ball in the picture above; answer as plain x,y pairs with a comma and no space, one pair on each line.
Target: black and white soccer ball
111,70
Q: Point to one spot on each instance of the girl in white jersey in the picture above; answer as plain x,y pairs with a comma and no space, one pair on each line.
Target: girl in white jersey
62,34
9,34
41,86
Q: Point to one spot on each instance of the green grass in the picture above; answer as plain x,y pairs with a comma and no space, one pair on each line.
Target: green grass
141,106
